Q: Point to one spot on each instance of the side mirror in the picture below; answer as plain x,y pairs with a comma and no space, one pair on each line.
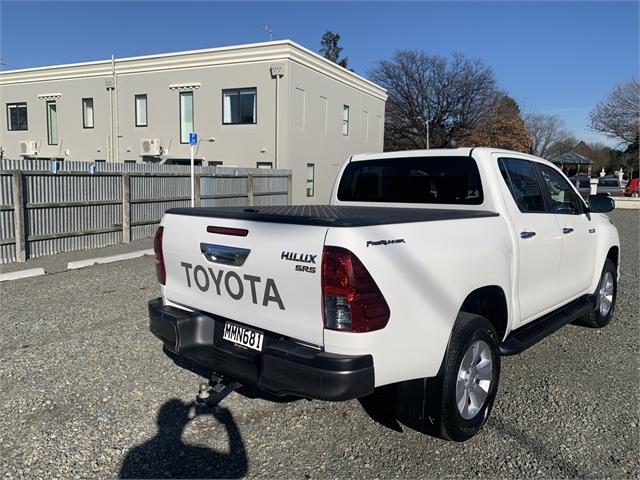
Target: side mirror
601,203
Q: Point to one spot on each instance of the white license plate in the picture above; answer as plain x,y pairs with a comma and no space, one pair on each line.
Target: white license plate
243,336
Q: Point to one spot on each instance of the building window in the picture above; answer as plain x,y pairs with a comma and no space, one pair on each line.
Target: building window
239,106
311,179
215,163
87,113
141,110
52,122
186,116
17,116
264,165
345,120
130,161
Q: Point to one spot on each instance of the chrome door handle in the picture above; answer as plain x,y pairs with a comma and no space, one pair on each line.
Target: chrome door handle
224,254
527,234
567,230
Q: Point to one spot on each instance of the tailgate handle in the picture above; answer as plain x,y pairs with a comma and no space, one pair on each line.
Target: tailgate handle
224,254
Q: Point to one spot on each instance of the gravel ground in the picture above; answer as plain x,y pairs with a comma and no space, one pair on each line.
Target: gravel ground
87,392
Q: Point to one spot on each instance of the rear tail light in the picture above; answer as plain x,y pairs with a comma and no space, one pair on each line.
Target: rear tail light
352,301
161,273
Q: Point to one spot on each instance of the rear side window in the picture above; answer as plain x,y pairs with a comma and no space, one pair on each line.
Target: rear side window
563,197
523,184
439,180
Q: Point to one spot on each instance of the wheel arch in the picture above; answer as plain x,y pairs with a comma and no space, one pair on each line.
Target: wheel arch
490,302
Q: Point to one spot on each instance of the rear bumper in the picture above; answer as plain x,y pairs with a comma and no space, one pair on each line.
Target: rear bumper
283,367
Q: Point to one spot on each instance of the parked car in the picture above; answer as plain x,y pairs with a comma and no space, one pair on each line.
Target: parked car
610,186
425,268
633,188
583,184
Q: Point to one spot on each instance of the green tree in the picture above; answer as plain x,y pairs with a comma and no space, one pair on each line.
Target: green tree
331,50
501,127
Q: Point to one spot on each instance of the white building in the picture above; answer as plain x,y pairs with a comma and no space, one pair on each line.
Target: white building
273,104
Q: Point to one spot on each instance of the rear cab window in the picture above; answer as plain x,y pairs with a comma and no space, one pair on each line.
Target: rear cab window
420,180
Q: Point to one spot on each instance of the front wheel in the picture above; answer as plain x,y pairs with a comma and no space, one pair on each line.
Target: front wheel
604,298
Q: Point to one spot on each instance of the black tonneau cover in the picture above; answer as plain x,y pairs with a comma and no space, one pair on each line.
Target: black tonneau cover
331,215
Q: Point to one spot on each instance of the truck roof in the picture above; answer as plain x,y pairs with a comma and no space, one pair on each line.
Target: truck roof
448,152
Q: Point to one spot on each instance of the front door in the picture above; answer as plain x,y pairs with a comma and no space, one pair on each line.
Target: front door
578,234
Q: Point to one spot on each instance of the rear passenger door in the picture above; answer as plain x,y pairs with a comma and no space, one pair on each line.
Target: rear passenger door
578,233
538,238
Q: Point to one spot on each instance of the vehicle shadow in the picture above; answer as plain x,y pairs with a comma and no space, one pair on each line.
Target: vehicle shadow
167,456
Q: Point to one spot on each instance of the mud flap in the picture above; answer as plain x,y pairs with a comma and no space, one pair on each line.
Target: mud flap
419,404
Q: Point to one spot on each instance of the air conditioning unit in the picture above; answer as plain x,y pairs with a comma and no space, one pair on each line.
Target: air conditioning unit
28,148
150,147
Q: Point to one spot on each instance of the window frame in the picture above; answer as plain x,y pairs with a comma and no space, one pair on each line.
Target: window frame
312,180
193,115
17,104
93,117
538,179
238,90
146,109
546,193
345,108
47,103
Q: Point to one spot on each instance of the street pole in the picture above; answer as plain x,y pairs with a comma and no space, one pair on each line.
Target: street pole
427,122
193,198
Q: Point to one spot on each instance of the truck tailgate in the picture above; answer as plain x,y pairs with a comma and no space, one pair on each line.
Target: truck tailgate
269,279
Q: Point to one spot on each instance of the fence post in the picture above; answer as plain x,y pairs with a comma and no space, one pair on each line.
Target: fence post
250,189
289,184
126,208
196,190
18,216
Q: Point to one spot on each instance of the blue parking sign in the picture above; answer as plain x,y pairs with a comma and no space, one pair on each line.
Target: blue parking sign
193,138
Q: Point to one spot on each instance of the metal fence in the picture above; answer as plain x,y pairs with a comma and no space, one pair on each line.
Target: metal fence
42,213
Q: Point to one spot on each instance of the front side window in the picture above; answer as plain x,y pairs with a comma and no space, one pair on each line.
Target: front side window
311,178
141,110
239,106
523,184
562,196
52,122
345,120
186,116
17,116
87,113
436,180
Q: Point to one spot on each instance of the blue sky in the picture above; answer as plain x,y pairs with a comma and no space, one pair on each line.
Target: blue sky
553,57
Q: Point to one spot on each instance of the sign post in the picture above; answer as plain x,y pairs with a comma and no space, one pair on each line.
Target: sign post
193,141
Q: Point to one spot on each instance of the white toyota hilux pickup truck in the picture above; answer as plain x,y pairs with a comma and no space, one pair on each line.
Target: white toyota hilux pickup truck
425,268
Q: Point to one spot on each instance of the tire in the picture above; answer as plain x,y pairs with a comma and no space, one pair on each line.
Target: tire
605,297
463,410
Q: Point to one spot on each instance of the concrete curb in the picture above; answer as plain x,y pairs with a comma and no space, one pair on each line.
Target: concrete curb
31,272
627,202
114,258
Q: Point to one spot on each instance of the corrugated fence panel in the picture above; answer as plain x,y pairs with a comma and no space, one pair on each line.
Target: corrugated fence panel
96,221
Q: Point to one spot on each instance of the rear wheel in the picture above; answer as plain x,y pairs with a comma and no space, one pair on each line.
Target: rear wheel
470,377
604,298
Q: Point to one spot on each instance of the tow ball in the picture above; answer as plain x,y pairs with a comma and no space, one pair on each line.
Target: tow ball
213,392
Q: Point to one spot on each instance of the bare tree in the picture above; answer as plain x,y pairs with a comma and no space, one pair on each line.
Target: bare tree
544,130
618,116
432,96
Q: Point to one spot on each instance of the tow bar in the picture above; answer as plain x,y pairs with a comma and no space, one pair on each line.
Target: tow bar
213,392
